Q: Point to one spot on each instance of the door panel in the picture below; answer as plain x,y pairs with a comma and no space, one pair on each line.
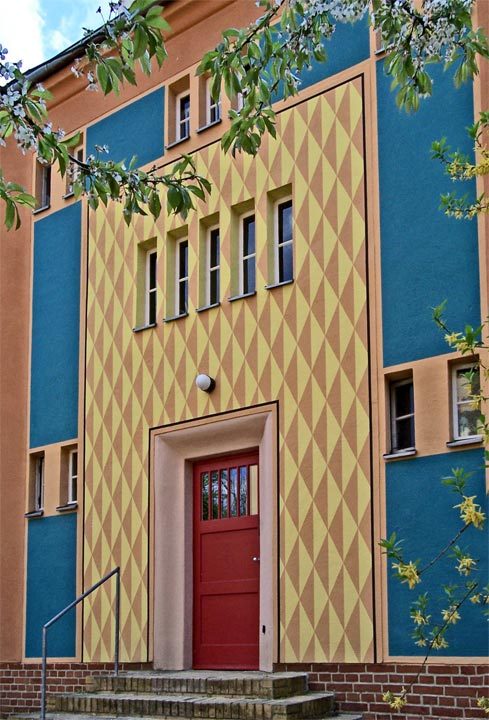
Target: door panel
226,563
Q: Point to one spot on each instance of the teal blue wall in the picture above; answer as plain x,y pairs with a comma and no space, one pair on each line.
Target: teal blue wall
51,584
426,257
420,511
55,327
136,129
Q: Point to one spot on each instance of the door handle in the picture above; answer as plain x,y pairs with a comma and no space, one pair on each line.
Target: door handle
256,559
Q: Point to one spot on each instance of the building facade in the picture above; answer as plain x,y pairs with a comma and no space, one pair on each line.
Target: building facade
245,520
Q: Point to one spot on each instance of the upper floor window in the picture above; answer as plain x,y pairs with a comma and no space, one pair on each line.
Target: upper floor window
402,415
36,483
73,477
465,401
283,241
182,121
213,268
150,288
247,254
181,289
213,107
43,185
73,171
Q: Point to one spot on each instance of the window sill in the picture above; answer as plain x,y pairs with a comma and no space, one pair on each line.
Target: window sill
241,297
39,210
139,328
209,125
177,142
34,514
175,317
68,507
460,442
279,284
68,196
408,452
207,307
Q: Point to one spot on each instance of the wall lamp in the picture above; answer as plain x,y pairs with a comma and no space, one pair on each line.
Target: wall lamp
205,383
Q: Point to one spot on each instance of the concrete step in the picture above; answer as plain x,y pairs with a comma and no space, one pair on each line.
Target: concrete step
246,684
299,707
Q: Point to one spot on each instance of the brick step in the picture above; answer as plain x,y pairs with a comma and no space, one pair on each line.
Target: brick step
86,716
312,705
255,684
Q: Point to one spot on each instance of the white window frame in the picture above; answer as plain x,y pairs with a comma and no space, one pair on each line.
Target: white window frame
44,199
242,256
39,470
148,290
276,239
456,402
179,121
209,269
180,279
72,497
72,171
211,104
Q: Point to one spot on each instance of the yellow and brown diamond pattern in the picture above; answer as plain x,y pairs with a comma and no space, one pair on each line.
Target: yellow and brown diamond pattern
303,344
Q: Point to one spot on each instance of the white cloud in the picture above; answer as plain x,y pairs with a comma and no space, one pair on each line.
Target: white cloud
21,32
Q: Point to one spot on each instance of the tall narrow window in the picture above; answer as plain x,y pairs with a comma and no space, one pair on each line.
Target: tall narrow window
213,266
213,107
466,409
73,477
43,185
284,251
247,255
402,415
73,171
183,116
181,290
151,289
39,483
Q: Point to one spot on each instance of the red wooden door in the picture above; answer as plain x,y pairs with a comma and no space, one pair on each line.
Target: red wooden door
226,563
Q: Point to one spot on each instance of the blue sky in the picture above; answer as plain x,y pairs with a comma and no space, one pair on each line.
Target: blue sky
35,30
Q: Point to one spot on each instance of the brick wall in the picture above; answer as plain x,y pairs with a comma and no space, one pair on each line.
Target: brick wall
442,692
20,683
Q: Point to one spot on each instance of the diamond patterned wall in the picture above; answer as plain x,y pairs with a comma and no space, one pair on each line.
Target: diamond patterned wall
303,344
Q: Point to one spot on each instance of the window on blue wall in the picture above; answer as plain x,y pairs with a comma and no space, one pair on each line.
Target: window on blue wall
36,483
43,185
402,415
465,405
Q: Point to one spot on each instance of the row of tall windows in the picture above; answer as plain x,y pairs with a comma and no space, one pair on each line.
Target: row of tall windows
210,271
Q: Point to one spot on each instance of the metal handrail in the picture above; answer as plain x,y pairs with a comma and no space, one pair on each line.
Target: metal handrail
46,626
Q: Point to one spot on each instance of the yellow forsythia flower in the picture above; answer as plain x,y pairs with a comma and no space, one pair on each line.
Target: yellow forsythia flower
439,643
451,615
470,512
466,565
408,572
419,618
475,599
483,702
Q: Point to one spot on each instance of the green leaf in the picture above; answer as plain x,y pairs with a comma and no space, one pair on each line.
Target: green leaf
104,79
140,42
157,22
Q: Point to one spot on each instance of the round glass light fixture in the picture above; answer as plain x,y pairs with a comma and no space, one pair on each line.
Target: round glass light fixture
205,382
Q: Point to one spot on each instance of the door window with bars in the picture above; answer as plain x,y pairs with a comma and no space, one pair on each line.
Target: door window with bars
229,492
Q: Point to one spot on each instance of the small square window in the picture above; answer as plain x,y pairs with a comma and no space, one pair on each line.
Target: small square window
43,185
402,415
181,277
283,241
182,121
247,254
465,403
212,266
